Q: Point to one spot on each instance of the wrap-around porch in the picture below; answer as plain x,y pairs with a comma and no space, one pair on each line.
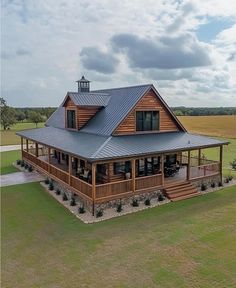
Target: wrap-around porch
113,179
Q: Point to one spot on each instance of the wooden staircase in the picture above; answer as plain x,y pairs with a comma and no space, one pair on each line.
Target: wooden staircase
181,191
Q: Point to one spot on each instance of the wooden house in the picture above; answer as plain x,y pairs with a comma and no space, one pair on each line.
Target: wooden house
116,143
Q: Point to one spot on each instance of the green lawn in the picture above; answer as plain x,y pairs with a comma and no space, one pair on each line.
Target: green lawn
6,159
189,243
8,137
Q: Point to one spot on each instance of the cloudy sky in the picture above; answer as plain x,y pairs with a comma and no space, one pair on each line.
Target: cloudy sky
187,49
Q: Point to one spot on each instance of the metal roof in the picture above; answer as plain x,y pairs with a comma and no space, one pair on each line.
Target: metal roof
74,142
89,99
121,103
97,147
117,103
57,119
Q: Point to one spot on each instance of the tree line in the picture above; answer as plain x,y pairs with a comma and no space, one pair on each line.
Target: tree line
10,115
203,111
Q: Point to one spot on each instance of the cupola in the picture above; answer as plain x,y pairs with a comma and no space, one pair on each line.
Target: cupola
83,85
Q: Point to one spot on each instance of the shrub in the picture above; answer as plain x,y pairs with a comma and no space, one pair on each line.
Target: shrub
99,213
64,197
203,187
30,168
72,201
51,186
46,181
227,180
230,178
135,203
22,164
220,184
58,191
233,164
81,209
147,202
119,207
18,162
161,197
26,166
213,185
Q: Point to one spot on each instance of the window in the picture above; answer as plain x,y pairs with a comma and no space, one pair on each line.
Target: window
71,119
171,159
121,167
102,169
148,166
147,120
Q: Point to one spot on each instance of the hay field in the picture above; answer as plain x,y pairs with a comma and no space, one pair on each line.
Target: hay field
221,126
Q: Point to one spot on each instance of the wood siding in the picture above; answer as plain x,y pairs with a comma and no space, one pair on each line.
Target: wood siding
149,102
82,114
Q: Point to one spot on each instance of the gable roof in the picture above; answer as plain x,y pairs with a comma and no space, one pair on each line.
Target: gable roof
88,99
119,103
97,147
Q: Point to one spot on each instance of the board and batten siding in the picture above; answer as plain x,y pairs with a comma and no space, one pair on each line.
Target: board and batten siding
148,102
83,114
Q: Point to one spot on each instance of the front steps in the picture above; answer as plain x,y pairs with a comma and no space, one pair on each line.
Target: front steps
181,191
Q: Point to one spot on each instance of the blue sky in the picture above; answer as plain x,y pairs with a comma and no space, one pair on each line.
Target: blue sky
186,49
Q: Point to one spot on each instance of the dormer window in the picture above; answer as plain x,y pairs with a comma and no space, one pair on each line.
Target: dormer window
147,120
71,119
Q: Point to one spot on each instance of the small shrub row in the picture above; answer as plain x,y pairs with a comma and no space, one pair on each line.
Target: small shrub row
99,213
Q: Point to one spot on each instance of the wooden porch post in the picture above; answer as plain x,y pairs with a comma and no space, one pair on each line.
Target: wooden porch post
188,167
22,145
94,185
49,154
221,162
133,174
27,145
37,149
162,170
70,168
199,156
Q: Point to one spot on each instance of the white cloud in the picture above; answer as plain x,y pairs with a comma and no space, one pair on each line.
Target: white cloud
42,40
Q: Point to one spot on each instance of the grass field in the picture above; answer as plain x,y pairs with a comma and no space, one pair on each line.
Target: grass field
222,126
189,243
6,159
8,137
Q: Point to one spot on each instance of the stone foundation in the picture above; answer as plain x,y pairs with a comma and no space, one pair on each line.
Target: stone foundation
88,205
128,200
207,181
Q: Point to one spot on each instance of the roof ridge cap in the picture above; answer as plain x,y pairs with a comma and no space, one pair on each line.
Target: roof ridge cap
101,147
124,87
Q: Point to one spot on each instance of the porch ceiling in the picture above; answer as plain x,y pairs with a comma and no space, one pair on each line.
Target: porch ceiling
97,147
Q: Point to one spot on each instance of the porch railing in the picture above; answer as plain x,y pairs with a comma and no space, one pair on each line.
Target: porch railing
82,186
148,182
113,188
204,170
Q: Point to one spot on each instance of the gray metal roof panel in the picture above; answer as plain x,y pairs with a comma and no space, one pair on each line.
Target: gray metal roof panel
126,146
97,147
82,144
121,103
57,119
89,99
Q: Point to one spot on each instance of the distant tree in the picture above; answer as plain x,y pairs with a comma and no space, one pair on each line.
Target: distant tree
7,115
35,117
178,113
20,115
